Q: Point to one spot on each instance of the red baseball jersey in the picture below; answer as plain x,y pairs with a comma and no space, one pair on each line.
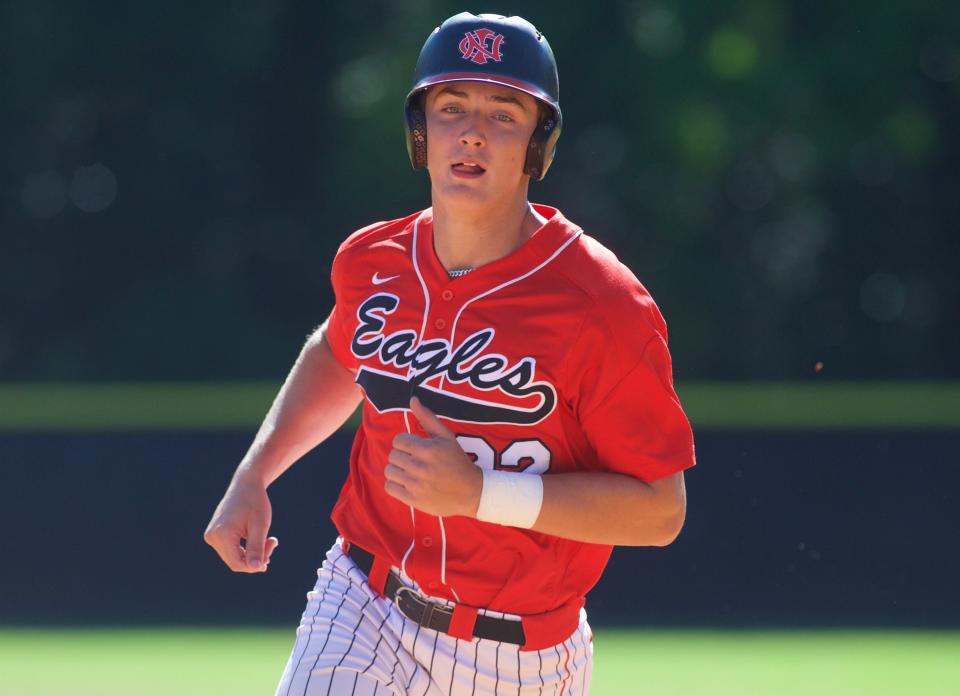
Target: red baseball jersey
552,359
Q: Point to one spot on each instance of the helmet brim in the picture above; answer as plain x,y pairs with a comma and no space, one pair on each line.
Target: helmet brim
488,78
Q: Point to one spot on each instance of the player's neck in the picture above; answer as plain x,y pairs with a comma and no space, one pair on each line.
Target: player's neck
474,237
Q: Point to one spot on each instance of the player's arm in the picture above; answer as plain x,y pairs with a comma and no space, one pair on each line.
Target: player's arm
638,431
317,397
609,508
435,475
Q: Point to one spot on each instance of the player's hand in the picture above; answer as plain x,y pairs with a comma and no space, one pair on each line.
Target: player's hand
433,473
238,528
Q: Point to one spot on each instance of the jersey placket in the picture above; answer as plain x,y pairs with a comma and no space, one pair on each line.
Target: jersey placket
427,561
446,303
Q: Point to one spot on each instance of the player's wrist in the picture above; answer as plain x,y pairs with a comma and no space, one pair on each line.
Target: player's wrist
471,502
249,474
511,499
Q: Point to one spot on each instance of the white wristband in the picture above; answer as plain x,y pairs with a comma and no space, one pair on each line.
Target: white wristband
511,499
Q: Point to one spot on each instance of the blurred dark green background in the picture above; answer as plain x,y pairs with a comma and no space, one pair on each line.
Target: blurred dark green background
175,177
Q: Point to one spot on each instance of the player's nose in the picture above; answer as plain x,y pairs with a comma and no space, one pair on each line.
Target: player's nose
472,135
471,140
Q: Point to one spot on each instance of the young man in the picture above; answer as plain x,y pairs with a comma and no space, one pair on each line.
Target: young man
519,416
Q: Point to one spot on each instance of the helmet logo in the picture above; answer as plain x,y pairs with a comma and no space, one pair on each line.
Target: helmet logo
474,46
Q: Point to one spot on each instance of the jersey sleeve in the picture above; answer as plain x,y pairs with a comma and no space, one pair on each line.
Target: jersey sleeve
338,323
621,378
638,427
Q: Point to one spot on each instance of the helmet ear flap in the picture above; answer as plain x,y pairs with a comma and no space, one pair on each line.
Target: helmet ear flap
540,149
543,145
468,47
416,122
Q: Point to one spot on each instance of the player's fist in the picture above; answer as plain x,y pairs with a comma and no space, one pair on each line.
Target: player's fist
238,528
432,473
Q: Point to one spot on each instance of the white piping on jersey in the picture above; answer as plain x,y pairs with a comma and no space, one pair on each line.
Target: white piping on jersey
413,521
426,292
555,254
406,420
453,331
443,558
403,562
406,414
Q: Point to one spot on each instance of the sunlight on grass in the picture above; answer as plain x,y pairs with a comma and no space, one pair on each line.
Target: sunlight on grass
248,661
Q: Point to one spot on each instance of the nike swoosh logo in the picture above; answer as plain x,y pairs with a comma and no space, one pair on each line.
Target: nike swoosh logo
377,280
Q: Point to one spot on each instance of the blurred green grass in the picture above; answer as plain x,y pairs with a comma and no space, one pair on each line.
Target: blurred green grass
811,405
187,662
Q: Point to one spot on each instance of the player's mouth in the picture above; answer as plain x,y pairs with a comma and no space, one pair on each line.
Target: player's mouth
467,169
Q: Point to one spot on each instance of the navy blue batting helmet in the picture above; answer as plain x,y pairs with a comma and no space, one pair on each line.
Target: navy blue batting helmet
490,48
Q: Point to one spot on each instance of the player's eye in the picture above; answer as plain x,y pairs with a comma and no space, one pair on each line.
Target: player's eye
452,109
506,118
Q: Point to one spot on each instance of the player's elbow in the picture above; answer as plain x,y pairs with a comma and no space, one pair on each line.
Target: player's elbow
670,506
668,527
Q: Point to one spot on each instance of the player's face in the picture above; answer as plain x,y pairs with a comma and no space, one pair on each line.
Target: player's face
477,136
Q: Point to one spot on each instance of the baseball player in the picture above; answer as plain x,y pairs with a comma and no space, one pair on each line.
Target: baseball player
519,417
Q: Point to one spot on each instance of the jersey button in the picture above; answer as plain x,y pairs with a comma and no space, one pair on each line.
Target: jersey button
447,295
440,324
427,541
432,585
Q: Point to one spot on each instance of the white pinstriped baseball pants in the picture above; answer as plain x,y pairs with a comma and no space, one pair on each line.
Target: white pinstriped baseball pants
353,641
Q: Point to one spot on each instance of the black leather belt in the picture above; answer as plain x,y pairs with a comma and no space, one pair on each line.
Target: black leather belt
430,614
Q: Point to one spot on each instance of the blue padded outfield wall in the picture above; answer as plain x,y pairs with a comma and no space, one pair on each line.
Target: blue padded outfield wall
784,528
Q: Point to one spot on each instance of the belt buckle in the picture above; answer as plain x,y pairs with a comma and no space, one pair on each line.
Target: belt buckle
428,606
399,594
